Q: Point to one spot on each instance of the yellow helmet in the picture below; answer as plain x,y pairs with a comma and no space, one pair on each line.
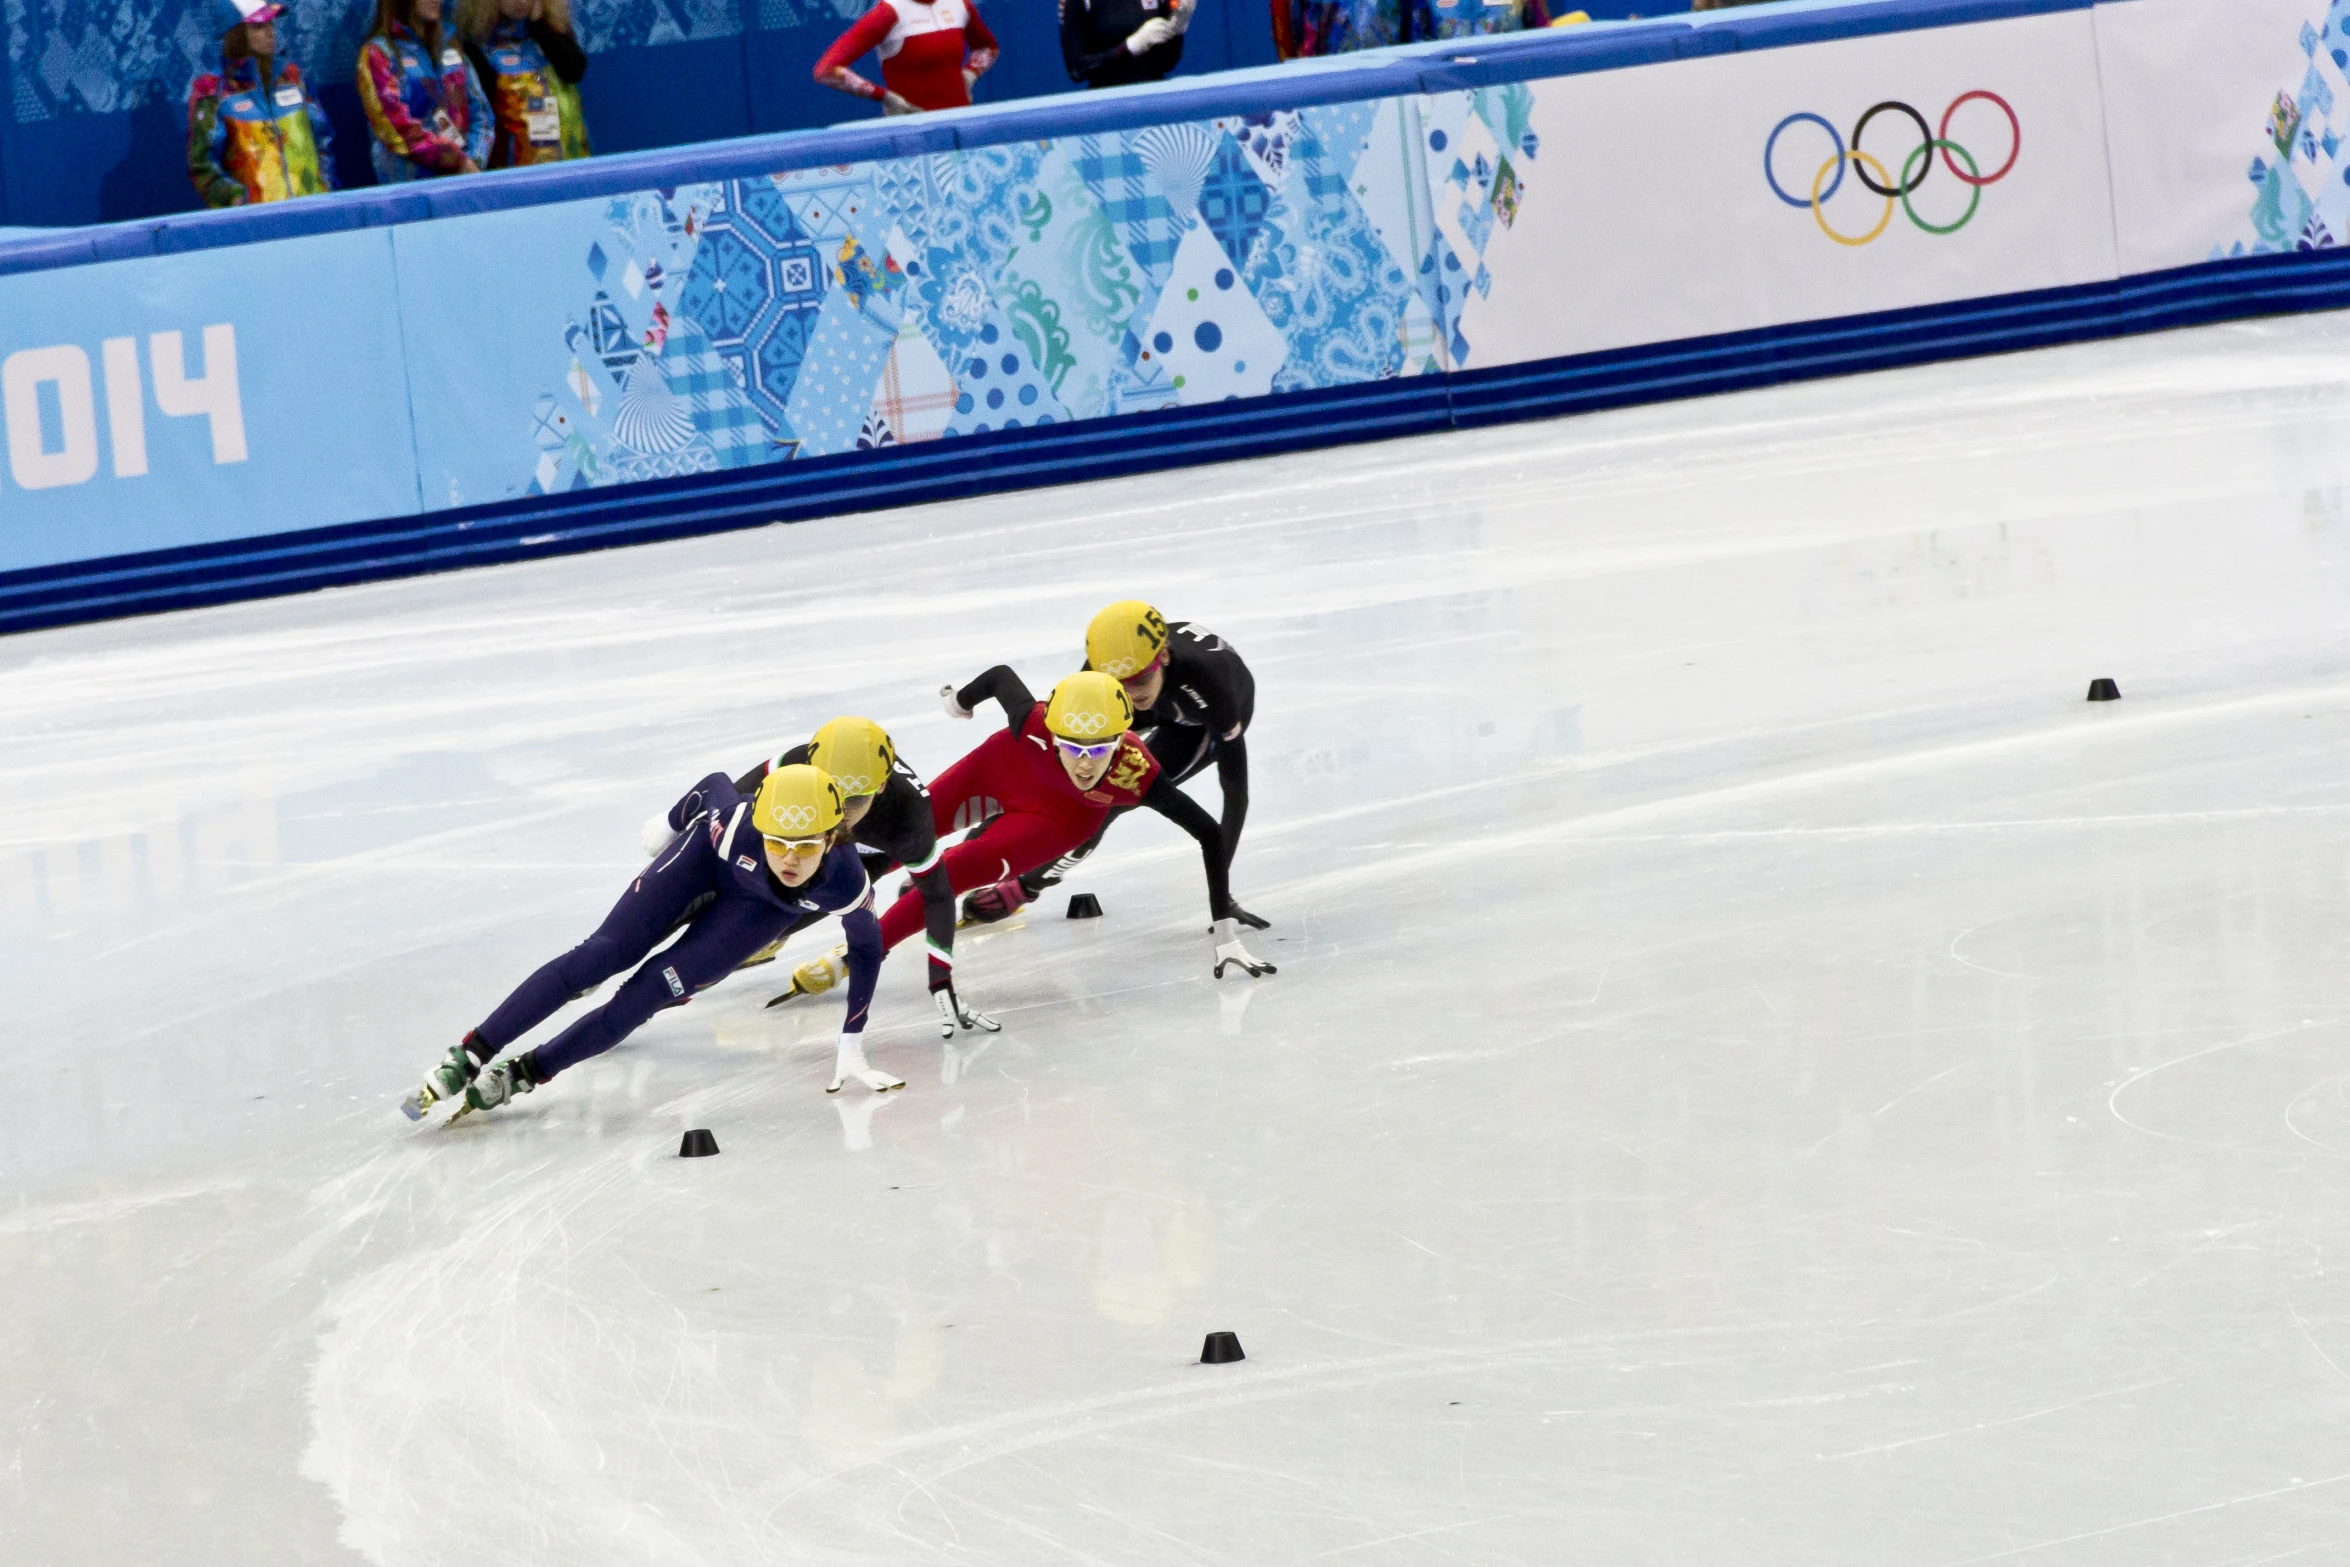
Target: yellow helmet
1124,638
1089,707
798,801
857,752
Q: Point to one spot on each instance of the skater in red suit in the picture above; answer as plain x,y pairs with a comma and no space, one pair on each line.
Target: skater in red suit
1044,784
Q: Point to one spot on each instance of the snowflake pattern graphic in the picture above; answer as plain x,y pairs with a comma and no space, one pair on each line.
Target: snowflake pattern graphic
860,307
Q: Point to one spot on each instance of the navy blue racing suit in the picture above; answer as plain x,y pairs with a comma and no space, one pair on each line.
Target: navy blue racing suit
714,877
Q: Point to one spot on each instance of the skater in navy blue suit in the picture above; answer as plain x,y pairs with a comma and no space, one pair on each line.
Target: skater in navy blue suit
738,873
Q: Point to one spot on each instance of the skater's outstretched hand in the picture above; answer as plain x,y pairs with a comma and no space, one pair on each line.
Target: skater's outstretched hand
850,1063
998,900
952,1014
1230,953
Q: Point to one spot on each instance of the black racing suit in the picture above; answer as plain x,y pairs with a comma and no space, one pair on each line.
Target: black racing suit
1202,715
896,831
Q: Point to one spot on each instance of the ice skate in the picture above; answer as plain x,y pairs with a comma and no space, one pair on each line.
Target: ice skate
497,1085
446,1081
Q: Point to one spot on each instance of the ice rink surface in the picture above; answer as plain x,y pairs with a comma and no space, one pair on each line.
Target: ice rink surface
1761,1072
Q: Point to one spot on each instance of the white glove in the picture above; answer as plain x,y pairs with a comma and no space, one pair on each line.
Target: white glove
850,1062
946,699
891,104
952,1014
1229,950
1149,35
1182,22
657,834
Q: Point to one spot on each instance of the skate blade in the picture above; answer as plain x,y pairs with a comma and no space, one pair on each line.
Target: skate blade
414,1106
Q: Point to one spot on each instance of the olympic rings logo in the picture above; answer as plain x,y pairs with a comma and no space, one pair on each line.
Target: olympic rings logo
799,816
1915,169
1120,668
1085,723
853,784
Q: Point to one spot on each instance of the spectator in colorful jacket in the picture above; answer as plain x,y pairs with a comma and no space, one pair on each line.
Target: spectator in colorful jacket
1109,43
931,52
530,64
1316,27
254,132
422,99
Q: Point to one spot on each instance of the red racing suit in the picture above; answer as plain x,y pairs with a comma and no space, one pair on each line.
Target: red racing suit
1039,813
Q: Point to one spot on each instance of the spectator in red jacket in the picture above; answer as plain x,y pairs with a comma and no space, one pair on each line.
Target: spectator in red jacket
931,52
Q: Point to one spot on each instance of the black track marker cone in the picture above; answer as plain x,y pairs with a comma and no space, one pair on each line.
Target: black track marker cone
1084,906
1221,1349
2104,691
698,1144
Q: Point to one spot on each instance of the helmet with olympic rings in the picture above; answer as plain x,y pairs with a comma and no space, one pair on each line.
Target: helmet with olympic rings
1123,639
798,801
857,752
1089,707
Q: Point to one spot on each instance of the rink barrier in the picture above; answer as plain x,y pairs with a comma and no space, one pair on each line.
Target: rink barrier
1014,460
428,539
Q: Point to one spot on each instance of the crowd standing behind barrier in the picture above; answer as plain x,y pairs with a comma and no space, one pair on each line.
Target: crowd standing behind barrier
93,120
500,89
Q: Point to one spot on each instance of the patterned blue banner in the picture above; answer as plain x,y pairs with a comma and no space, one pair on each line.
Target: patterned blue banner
821,311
